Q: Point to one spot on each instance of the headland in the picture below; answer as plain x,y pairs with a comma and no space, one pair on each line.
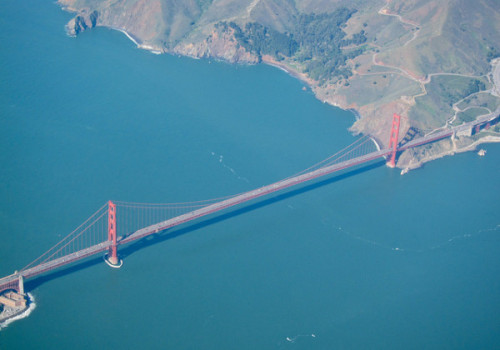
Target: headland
376,58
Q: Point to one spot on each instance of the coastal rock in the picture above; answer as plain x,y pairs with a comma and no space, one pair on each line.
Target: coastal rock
219,44
84,20
402,57
416,157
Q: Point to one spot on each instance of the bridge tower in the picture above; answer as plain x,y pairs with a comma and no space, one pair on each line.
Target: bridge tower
393,141
112,256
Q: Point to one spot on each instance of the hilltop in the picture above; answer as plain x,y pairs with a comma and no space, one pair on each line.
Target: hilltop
432,62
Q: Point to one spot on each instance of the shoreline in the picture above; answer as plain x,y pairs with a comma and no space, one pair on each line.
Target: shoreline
312,84
489,139
127,35
138,43
266,59
18,315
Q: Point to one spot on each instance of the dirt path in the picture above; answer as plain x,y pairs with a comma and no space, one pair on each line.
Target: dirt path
423,82
385,12
251,7
495,91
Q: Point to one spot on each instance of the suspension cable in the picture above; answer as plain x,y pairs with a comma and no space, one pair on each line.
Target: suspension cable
66,237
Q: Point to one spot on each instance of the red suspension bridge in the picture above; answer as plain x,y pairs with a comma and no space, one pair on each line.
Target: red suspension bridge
119,223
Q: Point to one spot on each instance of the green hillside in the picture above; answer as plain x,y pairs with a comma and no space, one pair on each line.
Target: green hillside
427,60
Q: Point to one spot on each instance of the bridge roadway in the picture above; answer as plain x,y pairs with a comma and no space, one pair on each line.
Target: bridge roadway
262,191
280,185
247,196
51,265
432,137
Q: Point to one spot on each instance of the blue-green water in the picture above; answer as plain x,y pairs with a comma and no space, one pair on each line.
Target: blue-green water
368,260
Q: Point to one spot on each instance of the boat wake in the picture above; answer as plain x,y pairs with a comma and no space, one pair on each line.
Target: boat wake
293,339
221,161
449,241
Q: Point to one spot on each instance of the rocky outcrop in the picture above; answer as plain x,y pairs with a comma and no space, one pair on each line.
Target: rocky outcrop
84,20
219,44
415,158
388,75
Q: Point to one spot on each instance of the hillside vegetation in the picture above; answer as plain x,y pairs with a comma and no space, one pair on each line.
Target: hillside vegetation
429,61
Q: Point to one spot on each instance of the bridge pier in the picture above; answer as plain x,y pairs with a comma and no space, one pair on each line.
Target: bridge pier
21,285
112,257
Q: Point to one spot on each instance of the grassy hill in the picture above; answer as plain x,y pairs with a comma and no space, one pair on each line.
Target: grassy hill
429,61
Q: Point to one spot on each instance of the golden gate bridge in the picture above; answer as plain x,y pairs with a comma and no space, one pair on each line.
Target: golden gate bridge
118,223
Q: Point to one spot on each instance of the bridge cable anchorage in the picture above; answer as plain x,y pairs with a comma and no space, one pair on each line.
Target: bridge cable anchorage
412,125
393,141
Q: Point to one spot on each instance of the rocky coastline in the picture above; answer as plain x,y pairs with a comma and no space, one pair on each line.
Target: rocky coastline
412,163
11,314
221,45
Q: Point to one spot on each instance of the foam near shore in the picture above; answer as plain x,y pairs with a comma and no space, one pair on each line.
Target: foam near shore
472,147
131,38
23,314
138,43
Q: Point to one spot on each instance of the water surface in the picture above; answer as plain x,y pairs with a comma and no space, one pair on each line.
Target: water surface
368,259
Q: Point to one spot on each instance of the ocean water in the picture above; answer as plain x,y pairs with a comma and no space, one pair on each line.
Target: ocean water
366,259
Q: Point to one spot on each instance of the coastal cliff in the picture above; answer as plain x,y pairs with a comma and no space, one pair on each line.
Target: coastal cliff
434,64
84,20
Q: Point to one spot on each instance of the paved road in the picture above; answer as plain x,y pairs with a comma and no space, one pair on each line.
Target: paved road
496,78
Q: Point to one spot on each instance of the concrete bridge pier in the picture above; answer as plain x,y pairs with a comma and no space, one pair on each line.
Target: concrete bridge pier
21,285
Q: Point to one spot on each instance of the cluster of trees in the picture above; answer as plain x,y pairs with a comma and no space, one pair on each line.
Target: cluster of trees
492,54
475,86
265,41
316,40
451,93
322,34
357,39
321,39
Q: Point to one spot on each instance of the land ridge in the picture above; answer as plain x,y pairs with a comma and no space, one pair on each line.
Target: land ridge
435,64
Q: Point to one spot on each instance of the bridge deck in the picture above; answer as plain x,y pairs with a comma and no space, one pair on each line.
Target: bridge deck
280,185
448,132
51,265
262,191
